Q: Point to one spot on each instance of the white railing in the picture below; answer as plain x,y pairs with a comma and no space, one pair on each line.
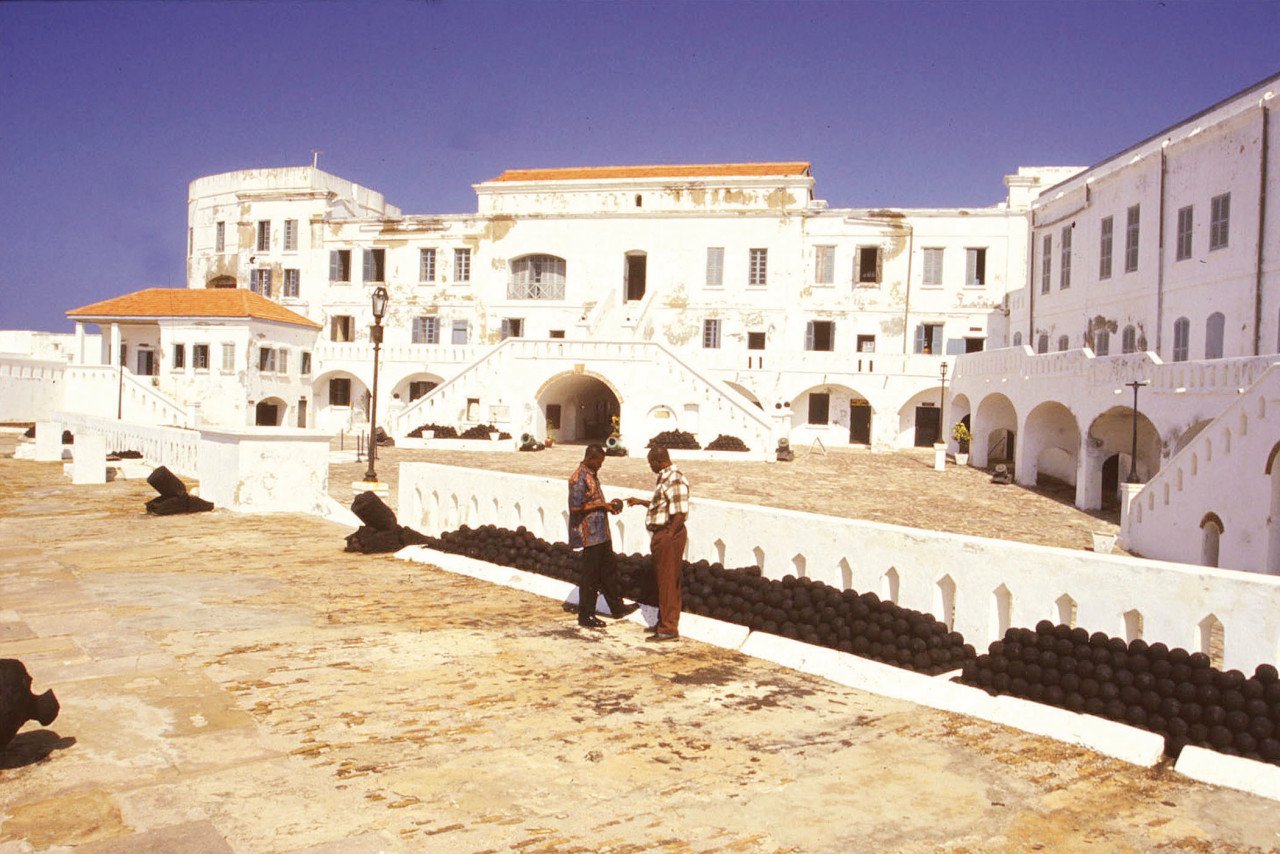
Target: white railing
978,586
426,354
176,448
105,390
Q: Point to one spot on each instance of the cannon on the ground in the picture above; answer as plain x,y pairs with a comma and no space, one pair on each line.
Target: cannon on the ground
17,704
381,531
173,498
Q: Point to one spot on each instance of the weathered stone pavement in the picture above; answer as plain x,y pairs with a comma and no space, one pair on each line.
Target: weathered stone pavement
239,683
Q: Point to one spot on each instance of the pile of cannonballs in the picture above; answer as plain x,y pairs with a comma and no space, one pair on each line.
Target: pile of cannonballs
441,431
675,439
479,431
724,442
1175,693
798,608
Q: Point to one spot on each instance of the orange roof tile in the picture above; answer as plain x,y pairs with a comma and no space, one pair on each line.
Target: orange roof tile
187,302
704,170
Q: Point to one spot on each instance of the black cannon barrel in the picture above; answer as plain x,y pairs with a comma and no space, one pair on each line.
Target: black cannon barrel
166,483
374,512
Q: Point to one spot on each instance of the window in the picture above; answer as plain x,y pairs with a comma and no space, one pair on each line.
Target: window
426,265
932,267
1219,220
1128,340
292,283
260,281
420,388
639,200
868,269
819,407
228,357
1101,343
179,357
1046,263
512,327
1064,269
1185,219
866,343
711,334
462,265
1042,344
290,235
340,265
200,357
375,265
755,340
339,391
426,330
975,266
929,338
1181,339
282,360
266,360
220,237
341,328
824,265
556,333
820,335
758,268
537,277
459,332
1131,241
1064,343
264,235
1017,339
1104,248
304,366
715,266
1213,329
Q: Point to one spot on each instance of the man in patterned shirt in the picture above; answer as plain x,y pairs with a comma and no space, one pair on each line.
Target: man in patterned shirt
668,509
589,531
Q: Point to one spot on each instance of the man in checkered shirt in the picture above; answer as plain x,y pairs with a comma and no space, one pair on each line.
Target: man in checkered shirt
668,509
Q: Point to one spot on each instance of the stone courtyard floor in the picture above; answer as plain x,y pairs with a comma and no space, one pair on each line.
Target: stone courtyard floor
900,488
239,683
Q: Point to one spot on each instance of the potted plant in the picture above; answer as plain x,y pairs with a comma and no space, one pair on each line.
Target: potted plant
551,437
963,437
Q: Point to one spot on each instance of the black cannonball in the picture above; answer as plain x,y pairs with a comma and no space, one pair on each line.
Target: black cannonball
1161,668
1130,695
1261,728
1035,691
1178,655
1237,721
1230,679
1103,673
1070,683
1176,727
1117,645
1098,639
1253,689
1209,695
1266,674
1180,672
1243,742
1198,733
1184,692
1094,706
1089,688
1156,722
1192,712
1138,646
1199,661
1114,710
1054,695
1232,699
1150,701
1173,745
1170,708
1158,651
1073,701
1136,715
1269,749
1214,715
1123,678
1044,627
1256,708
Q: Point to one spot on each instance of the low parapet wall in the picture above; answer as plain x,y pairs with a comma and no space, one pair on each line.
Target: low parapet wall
978,586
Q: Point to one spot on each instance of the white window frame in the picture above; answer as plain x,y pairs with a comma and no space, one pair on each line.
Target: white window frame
427,265
1132,234
824,265
228,357
878,272
263,241
457,326
220,236
1181,339
757,267
1064,266
290,235
260,281
811,336
1046,263
974,277
931,266
426,329
715,267
462,265
199,354
292,283
1106,241
537,277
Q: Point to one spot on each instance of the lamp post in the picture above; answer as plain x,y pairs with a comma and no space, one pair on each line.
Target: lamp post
1133,459
375,335
942,399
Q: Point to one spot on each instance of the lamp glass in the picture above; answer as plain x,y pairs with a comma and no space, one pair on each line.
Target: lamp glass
379,299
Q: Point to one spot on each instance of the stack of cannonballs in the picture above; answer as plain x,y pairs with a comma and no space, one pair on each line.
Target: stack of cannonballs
440,431
799,608
676,439
724,442
479,431
1177,694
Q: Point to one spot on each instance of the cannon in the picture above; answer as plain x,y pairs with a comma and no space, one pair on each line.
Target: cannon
17,704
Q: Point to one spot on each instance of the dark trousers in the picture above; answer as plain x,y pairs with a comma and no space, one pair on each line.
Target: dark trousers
668,555
598,576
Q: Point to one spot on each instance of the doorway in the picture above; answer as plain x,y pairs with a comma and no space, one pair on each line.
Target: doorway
146,363
637,267
859,422
928,420
1111,482
302,412
266,415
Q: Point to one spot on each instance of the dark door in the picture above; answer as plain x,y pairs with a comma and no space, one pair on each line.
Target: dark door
302,412
859,422
266,415
636,266
927,420
146,362
1111,481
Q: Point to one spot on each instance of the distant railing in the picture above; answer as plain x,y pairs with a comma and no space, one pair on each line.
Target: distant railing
176,448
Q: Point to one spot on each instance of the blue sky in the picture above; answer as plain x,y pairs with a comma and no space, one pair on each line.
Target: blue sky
107,111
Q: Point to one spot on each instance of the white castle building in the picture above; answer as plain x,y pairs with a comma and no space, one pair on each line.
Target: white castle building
728,299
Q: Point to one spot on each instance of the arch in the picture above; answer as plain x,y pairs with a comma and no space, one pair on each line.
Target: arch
455,514
536,276
1064,343
418,383
218,282
1211,531
841,401
912,431
331,415
473,512
944,601
269,412
1133,625
495,517
542,523
1211,639
516,515
1064,608
1042,344
960,414
1214,326
799,565
1102,342
586,404
994,426
1017,339
745,392
1001,612
1112,432
890,584
1050,445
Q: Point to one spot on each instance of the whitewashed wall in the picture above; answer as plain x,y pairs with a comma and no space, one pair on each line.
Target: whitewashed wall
265,469
30,389
977,585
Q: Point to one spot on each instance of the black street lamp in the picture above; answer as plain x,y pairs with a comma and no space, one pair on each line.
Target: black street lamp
1133,459
942,399
375,335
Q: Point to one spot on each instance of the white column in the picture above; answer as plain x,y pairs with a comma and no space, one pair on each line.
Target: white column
89,459
1089,474
1128,495
79,343
116,339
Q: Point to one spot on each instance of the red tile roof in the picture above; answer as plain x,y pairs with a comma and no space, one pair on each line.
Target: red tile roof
188,302
704,170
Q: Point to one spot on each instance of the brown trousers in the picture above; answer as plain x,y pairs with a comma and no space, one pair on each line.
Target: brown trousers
667,547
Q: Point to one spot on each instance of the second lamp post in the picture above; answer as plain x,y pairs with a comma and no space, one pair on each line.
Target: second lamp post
375,335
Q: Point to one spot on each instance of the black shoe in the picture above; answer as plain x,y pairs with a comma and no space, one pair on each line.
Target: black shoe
651,630
591,623
625,610
660,637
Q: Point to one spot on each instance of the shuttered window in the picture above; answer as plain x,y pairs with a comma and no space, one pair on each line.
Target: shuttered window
715,266
824,265
932,267
975,266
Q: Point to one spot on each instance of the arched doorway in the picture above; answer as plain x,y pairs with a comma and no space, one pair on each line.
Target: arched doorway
221,282
837,412
1050,444
1111,482
341,401
579,408
994,426
1212,529
1273,522
269,412
1111,435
